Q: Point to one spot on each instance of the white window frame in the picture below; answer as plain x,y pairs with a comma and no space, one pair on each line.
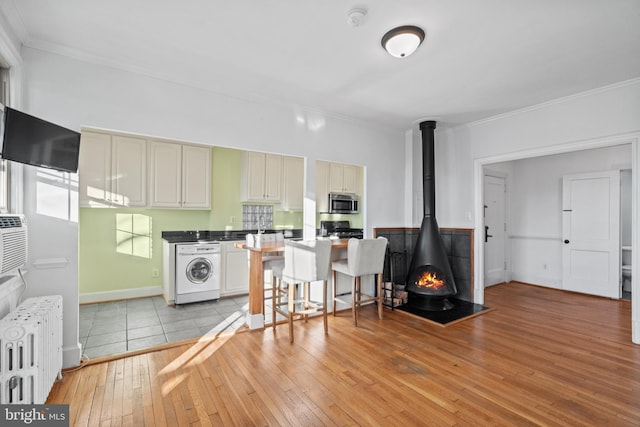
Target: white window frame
5,180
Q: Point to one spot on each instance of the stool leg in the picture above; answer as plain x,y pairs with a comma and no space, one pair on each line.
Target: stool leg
274,286
379,295
290,307
334,292
324,307
306,300
353,302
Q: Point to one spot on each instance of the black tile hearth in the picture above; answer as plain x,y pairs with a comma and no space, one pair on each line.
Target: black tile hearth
461,310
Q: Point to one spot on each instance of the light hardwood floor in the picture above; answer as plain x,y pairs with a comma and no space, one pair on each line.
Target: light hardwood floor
542,357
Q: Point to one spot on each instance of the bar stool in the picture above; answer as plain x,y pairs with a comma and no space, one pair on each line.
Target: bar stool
272,262
304,262
364,257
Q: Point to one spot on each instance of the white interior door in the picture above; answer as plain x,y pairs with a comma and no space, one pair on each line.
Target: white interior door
591,233
495,230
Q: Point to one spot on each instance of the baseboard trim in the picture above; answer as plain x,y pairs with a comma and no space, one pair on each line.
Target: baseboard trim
71,356
93,297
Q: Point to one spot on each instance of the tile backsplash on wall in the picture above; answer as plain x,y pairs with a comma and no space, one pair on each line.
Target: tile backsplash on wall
257,217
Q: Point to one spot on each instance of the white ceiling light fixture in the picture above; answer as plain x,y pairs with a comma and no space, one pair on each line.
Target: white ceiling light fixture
401,42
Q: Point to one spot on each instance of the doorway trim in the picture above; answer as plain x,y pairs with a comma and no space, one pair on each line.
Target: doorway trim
504,176
610,141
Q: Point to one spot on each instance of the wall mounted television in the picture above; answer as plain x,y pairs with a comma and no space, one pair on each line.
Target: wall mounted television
33,141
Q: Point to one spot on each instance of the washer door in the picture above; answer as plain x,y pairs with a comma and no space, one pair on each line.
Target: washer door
199,270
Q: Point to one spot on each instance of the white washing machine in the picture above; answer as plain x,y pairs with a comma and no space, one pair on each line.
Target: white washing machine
198,267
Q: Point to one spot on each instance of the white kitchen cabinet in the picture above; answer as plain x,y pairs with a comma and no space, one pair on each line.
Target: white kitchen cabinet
180,175
262,177
196,177
292,183
343,178
335,178
94,170
112,170
236,270
169,272
165,164
322,186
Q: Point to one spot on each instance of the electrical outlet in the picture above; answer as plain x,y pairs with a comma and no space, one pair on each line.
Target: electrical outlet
232,219
155,273
544,266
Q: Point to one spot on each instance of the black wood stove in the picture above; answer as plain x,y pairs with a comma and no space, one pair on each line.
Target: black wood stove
430,280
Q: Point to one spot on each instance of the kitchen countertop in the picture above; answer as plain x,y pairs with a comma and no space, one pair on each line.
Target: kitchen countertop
274,246
202,236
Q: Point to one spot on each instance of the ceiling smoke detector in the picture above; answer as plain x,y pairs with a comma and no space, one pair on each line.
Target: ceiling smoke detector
356,16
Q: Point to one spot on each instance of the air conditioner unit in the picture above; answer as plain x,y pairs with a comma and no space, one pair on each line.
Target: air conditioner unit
13,243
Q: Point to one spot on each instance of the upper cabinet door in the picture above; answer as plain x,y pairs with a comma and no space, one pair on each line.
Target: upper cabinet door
196,177
272,177
350,178
343,178
254,170
129,171
94,170
180,175
262,177
292,183
165,174
335,178
322,186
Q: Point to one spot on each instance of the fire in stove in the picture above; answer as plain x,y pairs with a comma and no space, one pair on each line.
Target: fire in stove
430,280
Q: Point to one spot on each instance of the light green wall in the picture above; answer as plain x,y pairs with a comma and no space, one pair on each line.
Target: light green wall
114,252
226,166
110,258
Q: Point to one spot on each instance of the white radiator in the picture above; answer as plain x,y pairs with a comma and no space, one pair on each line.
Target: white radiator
31,350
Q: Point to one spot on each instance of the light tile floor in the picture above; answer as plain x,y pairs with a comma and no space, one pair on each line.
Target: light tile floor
121,326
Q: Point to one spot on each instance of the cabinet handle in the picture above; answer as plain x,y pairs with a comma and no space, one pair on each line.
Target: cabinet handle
566,241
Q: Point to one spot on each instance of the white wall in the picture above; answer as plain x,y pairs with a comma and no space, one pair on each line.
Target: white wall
603,113
535,204
74,93
607,116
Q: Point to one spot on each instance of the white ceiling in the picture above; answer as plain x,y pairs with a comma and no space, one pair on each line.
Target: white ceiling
480,58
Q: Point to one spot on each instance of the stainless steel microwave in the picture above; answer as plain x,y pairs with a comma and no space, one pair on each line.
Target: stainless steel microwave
343,203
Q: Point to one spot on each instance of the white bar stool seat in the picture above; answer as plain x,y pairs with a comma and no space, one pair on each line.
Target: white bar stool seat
304,262
364,257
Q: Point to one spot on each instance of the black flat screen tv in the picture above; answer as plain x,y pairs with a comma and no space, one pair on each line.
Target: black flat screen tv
36,142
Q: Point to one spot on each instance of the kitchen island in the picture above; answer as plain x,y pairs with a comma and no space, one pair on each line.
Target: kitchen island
255,318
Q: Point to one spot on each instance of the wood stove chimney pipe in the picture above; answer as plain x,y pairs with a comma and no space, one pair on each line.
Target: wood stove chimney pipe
428,167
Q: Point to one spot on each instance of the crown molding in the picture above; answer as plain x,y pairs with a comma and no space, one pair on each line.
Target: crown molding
556,101
12,35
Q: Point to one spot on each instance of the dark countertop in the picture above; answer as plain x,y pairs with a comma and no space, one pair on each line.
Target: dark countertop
194,236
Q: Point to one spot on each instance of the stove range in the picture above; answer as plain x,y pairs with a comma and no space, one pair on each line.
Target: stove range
339,230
